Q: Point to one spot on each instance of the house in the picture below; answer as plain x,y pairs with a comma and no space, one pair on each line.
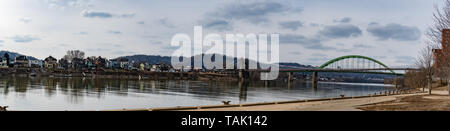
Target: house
64,63
6,59
90,62
50,62
100,62
161,67
123,63
77,63
35,63
3,62
21,62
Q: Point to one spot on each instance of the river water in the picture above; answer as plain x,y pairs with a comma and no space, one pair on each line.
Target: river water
74,94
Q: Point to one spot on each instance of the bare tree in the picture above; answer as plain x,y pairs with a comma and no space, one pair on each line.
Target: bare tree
71,54
425,64
441,19
415,79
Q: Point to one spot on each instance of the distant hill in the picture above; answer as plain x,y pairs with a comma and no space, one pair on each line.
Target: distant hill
13,55
287,65
151,59
155,59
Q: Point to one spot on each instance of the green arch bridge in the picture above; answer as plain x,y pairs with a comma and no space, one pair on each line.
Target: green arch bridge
348,64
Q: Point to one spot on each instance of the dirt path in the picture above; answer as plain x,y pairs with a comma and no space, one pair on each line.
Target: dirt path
438,101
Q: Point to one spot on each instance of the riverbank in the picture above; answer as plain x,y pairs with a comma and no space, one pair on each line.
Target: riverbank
118,73
330,104
326,105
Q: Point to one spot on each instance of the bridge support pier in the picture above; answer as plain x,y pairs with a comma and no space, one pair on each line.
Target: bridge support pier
315,80
241,75
290,76
290,79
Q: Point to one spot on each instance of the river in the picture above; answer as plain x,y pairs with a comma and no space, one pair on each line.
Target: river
80,94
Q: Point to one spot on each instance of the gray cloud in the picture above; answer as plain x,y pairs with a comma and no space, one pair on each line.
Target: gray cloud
341,31
25,20
309,43
121,52
166,23
217,24
295,53
62,4
103,14
293,25
63,45
98,49
317,58
24,38
253,12
405,59
345,50
114,32
141,22
314,24
394,31
96,14
129,15
81,33
362,46
343,20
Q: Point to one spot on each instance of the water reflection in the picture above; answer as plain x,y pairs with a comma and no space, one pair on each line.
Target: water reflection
25,93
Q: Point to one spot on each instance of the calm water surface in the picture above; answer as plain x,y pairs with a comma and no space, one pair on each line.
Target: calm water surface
23,93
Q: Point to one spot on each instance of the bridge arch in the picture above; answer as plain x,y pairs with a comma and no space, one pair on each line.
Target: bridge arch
354,56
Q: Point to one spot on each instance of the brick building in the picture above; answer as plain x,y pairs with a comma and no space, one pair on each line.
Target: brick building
439,54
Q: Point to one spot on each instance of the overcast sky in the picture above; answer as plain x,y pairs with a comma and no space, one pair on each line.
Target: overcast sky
311,31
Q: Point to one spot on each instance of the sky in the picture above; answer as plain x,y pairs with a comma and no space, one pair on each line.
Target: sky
311,31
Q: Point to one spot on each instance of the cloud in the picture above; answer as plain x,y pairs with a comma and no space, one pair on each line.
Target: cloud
309,43
394,31
96,14
292,25
251,11
141,22
81,33
166,23
223,17
217,24
405,59
25,20
341,31
63,4
24,38
314,24
121,52
343,20
128,15
114,32
295,53
362,46
103,14
98,49
345,50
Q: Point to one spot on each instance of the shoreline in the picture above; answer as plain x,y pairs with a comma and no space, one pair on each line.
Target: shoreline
327,104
